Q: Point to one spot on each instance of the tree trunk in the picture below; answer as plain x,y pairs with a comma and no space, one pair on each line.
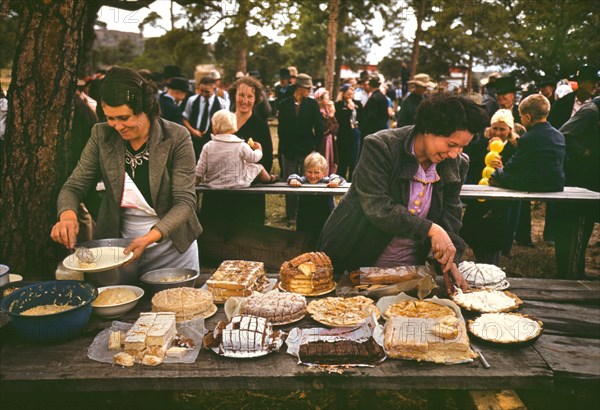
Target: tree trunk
420,14
333,9
240,24
38,139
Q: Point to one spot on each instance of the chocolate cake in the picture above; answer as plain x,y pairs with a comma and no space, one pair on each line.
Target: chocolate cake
308,274
341,352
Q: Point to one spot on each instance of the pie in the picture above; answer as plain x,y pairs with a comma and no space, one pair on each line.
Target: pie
418,308
486,301
483,275
307,274
342,312
505,327
186,303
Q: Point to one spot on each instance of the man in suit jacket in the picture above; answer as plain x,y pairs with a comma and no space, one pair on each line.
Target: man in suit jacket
375,113
300,129
198,112
567,106
177,90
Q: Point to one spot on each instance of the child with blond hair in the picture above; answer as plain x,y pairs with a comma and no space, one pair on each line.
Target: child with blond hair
227,161
313,210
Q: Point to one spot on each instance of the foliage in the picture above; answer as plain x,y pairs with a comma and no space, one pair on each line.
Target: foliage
179,47
119,55
8,39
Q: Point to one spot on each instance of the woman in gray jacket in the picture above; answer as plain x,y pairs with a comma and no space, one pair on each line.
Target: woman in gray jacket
147,166
404,200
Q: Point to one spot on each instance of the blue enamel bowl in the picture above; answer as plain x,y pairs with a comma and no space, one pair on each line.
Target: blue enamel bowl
55,327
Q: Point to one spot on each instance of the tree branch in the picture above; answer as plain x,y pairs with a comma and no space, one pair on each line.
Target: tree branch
130,5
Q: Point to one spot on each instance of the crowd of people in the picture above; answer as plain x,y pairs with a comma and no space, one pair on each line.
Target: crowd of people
407,147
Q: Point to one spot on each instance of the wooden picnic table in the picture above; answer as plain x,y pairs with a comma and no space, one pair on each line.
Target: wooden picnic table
568,351
570,194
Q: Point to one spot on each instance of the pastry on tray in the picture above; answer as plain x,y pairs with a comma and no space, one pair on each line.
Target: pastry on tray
342,312
237,278
310,274
418,308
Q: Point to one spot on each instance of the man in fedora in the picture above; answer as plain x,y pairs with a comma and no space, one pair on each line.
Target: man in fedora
567,106
505,89
408,111
300,128
169,101
546,86
284,89
375,112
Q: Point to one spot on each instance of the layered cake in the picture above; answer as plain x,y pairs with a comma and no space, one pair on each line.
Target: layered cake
308,274
341,352
483,275
487,301
342,312
276,307
418,308
149,338
237,278
440,340
244,334
186,303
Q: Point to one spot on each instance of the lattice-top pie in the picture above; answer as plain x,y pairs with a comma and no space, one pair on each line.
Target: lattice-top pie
342,312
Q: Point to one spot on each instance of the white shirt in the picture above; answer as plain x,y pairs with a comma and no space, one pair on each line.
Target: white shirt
188,109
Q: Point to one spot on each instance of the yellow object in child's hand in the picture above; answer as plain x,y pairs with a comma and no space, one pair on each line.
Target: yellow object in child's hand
487,172
251,143
490,157
496,146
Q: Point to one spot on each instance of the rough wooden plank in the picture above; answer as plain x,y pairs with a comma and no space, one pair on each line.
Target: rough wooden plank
565,319
571,357
496,400
281,188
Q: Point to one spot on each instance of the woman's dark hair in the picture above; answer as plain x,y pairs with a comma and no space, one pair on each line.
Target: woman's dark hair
124,86
445,114
250,82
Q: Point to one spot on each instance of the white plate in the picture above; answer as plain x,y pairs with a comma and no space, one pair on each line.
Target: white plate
114,311
106,257
241,355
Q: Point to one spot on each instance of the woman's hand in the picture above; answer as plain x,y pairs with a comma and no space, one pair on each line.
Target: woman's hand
454,278
138,245
442,247
66,229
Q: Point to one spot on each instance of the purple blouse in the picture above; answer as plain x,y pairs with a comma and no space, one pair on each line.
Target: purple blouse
405,251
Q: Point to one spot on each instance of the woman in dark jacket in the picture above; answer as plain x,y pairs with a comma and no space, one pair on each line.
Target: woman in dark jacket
405,196
348,112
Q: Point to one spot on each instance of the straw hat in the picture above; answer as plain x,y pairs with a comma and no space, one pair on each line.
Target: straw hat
422,80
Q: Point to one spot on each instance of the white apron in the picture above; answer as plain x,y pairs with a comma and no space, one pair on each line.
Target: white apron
137,218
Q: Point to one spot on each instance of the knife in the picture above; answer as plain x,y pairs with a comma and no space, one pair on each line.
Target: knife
482,359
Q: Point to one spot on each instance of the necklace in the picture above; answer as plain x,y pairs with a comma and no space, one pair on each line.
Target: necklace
134,160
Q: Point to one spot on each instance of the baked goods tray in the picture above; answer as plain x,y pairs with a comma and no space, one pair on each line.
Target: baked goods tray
193,329
300,336
272,284
523,329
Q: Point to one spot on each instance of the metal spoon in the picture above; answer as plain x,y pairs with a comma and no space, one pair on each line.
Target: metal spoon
84,255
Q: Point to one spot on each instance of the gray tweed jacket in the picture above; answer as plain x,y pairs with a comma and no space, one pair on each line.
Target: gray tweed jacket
172,179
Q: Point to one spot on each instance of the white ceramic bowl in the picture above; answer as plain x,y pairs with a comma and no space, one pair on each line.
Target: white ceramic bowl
112,311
